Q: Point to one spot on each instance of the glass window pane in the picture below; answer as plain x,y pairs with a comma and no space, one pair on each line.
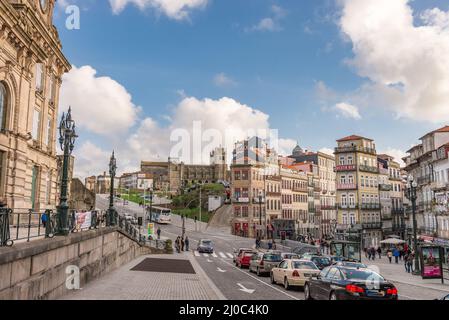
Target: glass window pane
2,105
36,121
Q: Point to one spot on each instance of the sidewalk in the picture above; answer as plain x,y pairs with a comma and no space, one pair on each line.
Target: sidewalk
396,273
125,284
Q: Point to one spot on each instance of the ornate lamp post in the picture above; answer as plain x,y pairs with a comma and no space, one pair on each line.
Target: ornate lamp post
411,195
67,137
112,213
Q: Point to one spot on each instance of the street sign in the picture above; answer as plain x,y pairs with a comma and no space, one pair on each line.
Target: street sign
151,229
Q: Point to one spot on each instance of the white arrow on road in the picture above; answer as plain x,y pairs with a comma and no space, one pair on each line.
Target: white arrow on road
208,260
242,288
221,270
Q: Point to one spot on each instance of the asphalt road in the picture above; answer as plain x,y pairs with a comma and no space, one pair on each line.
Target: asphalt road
236,283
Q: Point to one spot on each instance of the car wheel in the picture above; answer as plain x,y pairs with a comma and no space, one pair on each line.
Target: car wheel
307,295
333,297
272,278
286,285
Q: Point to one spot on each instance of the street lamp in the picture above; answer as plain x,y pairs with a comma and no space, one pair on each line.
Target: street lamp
411,195
151,204
112,213
67,137
260,212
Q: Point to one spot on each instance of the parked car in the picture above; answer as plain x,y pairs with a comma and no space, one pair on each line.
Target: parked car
343,283
445,298
289,255
293,273
205,246
262,263
244,258
320,261
350,264
237,252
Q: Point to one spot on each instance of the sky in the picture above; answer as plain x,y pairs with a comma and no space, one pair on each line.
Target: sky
147,72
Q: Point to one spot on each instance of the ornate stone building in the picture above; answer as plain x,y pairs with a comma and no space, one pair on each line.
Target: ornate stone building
31,67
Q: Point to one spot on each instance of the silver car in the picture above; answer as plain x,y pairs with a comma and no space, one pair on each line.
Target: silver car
262,263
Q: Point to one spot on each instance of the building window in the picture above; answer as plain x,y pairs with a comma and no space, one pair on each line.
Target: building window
3,106
36,123
39,77
48,188
49,135
51,89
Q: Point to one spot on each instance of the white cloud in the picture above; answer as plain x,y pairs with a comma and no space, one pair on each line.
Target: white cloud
222,80
90,160
174,9
347,110
99,104
286,146
270,24
406,63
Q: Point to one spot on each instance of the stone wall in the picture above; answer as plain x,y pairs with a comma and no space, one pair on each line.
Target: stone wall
80,198
37,270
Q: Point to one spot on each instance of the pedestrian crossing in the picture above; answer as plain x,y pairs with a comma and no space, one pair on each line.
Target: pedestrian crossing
222,255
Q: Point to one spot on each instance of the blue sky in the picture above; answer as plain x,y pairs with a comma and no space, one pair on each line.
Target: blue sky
292,66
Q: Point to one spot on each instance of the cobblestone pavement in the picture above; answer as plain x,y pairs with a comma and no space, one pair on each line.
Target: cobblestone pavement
124,284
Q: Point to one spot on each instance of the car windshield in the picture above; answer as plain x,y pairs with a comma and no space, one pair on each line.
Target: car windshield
352,274
304,265
290,256
321,260
354,265
273,257
248,254
206,243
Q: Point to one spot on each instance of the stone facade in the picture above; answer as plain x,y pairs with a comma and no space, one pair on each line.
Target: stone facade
31,67
37,270
80,198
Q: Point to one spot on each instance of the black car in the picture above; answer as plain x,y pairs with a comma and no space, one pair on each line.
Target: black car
344,283
205,246
320,261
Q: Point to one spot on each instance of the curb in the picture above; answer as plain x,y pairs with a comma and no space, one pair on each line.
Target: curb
420,285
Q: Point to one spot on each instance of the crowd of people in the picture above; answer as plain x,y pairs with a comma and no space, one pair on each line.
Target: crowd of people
398,253
182,244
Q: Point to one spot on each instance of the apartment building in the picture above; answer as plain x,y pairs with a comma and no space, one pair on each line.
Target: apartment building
325,170
427,163
136,181
358,188
391,194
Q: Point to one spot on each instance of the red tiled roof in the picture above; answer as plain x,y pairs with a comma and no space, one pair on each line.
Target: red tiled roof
353,137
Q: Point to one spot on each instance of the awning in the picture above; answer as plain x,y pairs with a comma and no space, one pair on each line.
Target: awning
392,241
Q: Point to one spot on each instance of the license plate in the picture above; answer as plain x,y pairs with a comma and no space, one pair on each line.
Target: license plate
375,293
307,275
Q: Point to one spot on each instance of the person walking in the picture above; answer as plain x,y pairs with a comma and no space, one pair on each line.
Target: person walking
369,253
373,253
379,252
187,243
396,255
158,233
44,219
406,262
177,245
182,244
409,262
366,252
389,255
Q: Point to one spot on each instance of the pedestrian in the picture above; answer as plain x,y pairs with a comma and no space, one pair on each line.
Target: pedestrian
373,253
274,245
409,262
379,251
366,252
369,253
177,244
182,243
158,233
406,262
389,255
396,255
187,243
44,219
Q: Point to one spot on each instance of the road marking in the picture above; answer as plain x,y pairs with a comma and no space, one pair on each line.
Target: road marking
214,255
205,255
272,287
208,260
221,270
197,254
230,255
242,288
222,255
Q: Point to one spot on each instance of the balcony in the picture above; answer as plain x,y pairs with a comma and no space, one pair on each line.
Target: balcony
273,194
425,180
439,185
259,200
400,227
346,206
395,178
370,206
355,149
348,167
328,207
372,225
300,189
368,169
399,211
346,186
240,200
385,187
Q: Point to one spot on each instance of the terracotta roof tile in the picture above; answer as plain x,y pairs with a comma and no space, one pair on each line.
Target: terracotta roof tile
353,137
